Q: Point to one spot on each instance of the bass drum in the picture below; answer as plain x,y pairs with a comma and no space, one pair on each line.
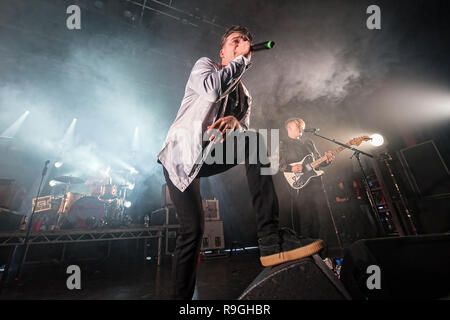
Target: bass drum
86,213
69,200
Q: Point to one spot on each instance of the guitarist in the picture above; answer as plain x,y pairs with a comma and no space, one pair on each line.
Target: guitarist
309,202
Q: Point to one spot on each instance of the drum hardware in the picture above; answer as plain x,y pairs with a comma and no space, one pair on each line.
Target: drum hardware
103,209
69,198
113,196
108,192
85,213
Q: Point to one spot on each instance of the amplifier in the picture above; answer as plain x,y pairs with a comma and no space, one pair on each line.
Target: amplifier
427,172
7,188
43,203
211,209
213,238
9,220
163,216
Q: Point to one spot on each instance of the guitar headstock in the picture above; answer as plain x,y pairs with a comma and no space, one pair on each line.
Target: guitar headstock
359,140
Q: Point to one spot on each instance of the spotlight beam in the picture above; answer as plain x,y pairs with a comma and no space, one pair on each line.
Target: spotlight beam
11,131
68,135
135,144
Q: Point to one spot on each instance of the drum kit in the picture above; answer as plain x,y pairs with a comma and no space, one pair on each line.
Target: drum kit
103,206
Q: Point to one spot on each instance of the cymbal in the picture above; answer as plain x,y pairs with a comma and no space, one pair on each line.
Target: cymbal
69,179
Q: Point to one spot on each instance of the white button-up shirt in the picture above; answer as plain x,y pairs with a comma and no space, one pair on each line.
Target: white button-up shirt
207,89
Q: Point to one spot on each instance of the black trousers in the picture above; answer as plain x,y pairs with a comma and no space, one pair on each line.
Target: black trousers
191,216
310,210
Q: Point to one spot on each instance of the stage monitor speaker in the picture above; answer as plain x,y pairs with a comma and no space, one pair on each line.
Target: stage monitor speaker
427,171
413,267
213,238
303,279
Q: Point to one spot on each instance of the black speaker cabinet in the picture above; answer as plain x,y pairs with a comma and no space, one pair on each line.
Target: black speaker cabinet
303,279
428,173
10,221
163,216
413,267
7,189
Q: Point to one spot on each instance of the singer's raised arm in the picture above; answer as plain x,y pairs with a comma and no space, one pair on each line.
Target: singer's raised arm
213,84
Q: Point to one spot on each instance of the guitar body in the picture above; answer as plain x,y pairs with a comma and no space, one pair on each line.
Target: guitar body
298,180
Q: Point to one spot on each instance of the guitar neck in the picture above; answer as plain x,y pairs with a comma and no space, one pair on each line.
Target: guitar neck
317,162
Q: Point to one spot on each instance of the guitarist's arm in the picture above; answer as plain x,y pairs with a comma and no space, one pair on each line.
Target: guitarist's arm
284,166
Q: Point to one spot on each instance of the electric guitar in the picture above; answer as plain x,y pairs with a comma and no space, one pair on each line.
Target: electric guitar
298,180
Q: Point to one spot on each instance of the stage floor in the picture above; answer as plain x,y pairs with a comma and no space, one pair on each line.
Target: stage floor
219,278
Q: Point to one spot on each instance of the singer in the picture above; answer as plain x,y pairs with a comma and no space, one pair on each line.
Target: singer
309,204
216,98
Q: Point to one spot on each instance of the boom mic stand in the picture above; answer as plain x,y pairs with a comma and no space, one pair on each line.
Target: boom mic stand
356,154
30,223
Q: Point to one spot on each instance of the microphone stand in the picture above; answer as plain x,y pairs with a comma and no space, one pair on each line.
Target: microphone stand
30,223
356,154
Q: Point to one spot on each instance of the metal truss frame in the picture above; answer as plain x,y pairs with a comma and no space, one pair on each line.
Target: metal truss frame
81,236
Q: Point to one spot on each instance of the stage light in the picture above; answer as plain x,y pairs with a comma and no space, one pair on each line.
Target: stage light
127,14
11,131
377,140
127,204
130,186
135,143
52,183
67,139
105,171
58,164
133,171
98,4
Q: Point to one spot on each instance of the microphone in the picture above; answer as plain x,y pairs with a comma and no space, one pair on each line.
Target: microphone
312,130
262,46
44,172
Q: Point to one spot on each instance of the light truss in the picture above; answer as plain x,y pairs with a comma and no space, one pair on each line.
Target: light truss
174,13
81,236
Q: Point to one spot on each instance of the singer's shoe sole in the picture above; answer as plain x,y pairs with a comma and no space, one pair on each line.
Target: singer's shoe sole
299,253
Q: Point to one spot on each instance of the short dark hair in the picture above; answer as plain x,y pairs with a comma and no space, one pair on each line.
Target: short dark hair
233,29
